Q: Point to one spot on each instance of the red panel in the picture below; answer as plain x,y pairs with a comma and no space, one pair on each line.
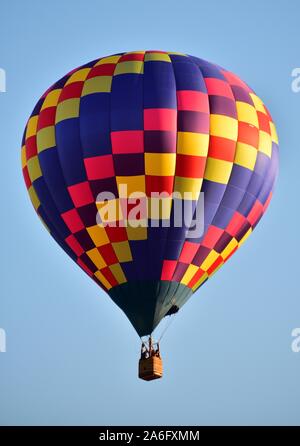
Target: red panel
130,57
31,147
160,119
221,148
188,252
108,254
264,122
248,134
99,167
255,213
26,177
46,118
168,269
159,184
218,87
109,276
192,100
116,234
129,141
190,166
106,69
81,194
196,277
235,224
70,91
72,220
235,80
74,245
212,236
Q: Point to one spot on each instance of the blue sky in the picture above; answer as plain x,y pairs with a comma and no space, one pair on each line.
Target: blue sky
71,353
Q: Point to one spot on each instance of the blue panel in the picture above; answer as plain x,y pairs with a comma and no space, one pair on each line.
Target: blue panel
95,124
188,77
127,102
159,85
70,151
208,69
50,208
54,179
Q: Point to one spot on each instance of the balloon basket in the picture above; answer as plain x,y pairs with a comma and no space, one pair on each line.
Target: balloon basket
150,368
150,363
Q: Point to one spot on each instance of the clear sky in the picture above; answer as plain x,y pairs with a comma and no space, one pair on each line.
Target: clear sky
71,353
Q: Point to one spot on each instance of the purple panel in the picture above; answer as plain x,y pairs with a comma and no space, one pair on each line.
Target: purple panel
192,121
240,94
240,176
220,105
129,164
223,217
201,255
160,141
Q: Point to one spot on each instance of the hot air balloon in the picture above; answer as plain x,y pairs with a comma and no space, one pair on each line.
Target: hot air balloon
153,130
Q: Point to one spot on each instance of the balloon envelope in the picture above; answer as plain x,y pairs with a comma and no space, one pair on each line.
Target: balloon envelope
150,122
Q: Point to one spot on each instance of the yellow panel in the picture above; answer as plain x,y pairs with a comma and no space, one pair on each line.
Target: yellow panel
135,52
78,76
224,126
122,250
31,126
189,274
210,259
23,156
33,197
200,281
98,84
103,280
109,211
189,143
159,208
96,258
245,237
217,170
34,168
176,53
229,248
138,233
161,164
258,104
246,113
273,132
118,273
245,155
137,223
98,235
157,56
109,59
45,138
188,185
67,109
133,184
265,143
133,66
51,99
